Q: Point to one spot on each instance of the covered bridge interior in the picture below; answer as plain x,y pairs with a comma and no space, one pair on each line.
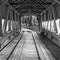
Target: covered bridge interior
23,18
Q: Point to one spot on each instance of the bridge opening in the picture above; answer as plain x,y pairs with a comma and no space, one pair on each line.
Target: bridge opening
30,22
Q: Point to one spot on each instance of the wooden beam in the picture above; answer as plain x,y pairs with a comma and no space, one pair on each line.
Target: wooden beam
30,3
15,7
4,2
27,9
46,6
30,12
18,1
57,1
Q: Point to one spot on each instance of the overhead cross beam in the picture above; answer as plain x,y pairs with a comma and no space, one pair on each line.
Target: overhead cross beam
18,6
30,3
57,1
27,11
19,1
31,7
3,2
48,7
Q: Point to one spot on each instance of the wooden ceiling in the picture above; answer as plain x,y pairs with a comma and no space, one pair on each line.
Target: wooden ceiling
36,6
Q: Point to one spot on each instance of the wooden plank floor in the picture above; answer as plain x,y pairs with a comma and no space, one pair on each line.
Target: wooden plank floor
5,52
26,50
44,53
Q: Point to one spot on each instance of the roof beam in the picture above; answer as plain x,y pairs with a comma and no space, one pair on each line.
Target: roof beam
30,3
46,6
30,11
57,1
3,2
15,7
18,1
32,8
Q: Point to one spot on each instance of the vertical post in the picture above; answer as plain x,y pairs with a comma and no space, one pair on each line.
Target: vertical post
55,28
39,22
0,22
50,20
47,18
40,25
43,18
20,21
15,19
5,17
9,23
13,15
44,15
11,20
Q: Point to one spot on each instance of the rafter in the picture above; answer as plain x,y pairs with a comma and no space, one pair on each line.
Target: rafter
3,2
46,6
30,11
57,1
18,1
34,4
27,13
26,5
30,8
30,3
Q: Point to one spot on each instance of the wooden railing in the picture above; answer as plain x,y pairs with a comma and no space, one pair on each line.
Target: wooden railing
52,36
7,36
